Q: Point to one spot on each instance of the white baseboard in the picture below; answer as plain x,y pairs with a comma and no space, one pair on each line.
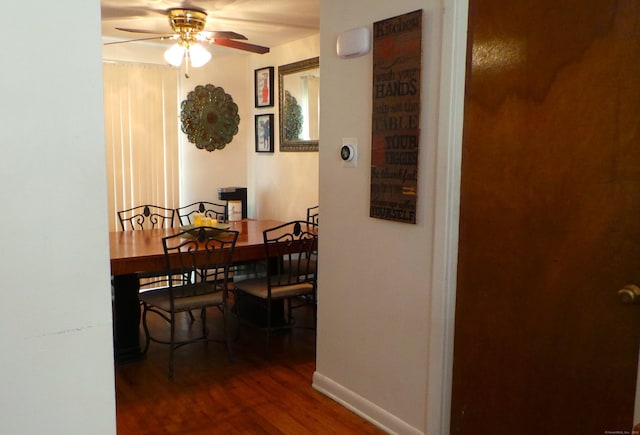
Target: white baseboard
361,406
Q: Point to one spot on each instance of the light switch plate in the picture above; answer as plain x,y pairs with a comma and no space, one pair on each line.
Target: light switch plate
349,152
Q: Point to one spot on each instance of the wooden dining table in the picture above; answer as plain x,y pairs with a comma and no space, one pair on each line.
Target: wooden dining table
141,252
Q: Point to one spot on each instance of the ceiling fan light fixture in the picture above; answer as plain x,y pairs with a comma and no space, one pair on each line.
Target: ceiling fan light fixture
188,25
198,55
175,54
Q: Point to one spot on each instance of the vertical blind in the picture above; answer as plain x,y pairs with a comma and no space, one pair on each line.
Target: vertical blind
141,127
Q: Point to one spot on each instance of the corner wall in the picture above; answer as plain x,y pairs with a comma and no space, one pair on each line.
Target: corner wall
56,331
203,172
281,184
386,289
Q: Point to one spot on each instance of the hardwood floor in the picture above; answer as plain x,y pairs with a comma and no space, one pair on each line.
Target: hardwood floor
212,395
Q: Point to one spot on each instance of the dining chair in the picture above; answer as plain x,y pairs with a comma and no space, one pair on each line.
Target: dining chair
313,213
142,217
186,214
290,252
146,216
197,265
209,209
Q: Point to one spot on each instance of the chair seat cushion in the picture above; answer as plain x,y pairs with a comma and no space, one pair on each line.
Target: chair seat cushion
259,288
198,299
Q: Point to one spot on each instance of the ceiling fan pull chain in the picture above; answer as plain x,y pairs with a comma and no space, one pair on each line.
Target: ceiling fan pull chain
186,64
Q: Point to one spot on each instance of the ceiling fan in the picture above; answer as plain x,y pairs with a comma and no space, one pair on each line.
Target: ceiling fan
188,25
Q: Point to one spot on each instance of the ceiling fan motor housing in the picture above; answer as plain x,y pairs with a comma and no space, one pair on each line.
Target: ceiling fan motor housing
187,21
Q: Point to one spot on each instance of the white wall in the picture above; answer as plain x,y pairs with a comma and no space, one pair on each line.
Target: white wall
140,52
386,289
283,184
280,185
385,306
202,172
55,329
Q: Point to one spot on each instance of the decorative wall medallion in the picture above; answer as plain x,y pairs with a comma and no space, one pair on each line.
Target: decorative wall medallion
209,117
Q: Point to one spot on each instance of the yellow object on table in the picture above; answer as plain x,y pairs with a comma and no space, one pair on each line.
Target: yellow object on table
197,219
200,220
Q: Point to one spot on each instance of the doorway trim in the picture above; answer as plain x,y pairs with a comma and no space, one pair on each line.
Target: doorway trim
447,206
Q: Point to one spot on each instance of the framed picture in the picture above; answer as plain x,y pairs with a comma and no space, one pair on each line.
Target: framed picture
264,87
264,133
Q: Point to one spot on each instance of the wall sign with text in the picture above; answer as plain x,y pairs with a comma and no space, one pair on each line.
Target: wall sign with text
395,135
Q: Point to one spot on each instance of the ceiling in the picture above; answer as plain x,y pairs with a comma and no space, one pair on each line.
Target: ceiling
264,22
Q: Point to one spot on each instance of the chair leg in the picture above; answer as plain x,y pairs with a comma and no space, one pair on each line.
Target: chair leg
287,301
225,330
290,311
172,337
315,312
266,349
236,310
147,337
203,318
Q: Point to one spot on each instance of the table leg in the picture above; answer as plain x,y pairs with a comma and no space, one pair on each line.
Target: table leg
126,318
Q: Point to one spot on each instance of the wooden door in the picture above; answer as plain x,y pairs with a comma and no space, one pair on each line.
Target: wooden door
550,219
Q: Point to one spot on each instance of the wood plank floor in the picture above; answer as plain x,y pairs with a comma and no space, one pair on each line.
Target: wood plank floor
212,395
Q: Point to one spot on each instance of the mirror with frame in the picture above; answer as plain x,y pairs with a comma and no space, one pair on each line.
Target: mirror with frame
299,101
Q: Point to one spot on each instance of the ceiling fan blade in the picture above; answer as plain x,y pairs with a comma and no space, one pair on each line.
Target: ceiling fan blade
271,21
118,11
138,31
241,45
217,34
140,39
207,34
